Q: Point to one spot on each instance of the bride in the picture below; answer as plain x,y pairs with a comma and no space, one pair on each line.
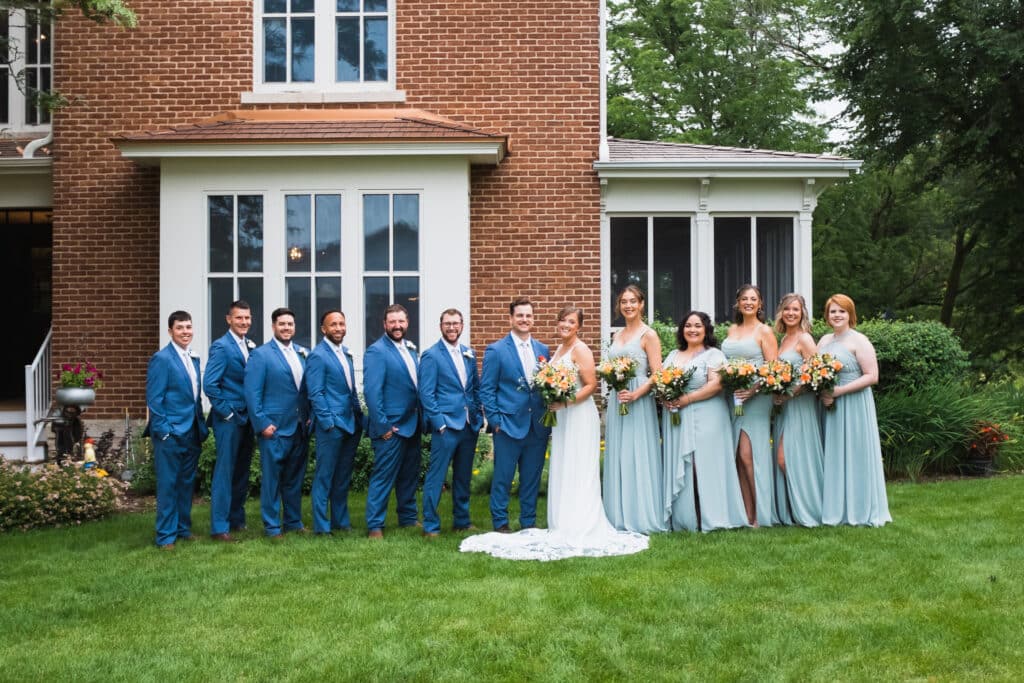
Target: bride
576,519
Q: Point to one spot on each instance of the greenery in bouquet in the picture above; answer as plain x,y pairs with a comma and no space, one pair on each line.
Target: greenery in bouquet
738,374
669,384
616,372
821,372
555,384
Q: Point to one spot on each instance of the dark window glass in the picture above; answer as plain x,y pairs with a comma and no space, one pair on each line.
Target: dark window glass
407,293
250,233
222,233
375,50
375,5
347,5
222,291
303,50
375,232
732,263
628,249
671,295
774,260
5,71
275,44
376,298
298,232
328,296
297,298
328,232
347,48
407,231
275,6
250,290
302,5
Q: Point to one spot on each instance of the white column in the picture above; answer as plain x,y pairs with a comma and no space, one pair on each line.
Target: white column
702,254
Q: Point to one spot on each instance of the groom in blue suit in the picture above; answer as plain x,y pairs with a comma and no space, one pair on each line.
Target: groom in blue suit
229,418
330,380
514,412
449,393
390,373
275,394
176,425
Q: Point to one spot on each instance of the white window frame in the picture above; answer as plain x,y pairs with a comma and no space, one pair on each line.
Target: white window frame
324,87
16,100
313,273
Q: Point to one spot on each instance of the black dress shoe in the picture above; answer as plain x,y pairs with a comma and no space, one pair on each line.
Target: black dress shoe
503,529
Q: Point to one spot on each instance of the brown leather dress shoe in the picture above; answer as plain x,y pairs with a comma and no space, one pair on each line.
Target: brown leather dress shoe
430,534
471,527
375,534
166,546
223,538
503,529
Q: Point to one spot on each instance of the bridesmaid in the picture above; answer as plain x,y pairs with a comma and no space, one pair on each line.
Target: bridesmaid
702,491
797,428
854,490
751,339
632,461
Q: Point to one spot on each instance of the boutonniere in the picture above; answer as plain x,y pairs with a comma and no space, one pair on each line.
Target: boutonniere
193,355
409,345
304,352
250,344
345,350
468,353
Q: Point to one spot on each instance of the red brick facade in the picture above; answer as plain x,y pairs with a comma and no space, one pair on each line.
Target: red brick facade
526,69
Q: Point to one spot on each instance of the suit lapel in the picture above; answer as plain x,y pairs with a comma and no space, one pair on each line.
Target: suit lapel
182,372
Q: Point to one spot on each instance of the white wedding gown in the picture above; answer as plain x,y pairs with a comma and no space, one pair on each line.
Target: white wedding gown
576,519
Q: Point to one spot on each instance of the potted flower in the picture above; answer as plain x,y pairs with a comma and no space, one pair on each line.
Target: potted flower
78,384
983,449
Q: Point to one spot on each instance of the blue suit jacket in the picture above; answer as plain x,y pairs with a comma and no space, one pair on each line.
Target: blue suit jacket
334,404
270,392
391,397
509,402
224,383
445,401
172,407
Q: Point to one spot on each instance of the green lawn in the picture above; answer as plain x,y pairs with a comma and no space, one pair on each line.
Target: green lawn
935,596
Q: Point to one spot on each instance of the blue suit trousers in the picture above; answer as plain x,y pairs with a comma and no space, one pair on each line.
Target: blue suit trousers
528,455
283,461
396,465
175,459
455,447
230,485
335,456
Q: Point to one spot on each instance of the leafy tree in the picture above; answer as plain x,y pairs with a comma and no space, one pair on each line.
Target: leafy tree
725,72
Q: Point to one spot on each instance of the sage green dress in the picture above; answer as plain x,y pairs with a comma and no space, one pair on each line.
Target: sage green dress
700,458
632,455
798,427
756,424
854,489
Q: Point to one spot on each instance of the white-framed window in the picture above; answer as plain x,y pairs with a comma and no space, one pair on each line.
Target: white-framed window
755,249
234,258
652,252
391,259
324,46
313,260
30,59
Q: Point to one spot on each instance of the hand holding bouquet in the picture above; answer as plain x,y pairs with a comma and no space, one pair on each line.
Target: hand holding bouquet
777,378
737,375
669,384
821,372
616,372
556,384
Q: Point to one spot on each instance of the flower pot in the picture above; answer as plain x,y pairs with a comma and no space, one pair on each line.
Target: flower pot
76,396
978,467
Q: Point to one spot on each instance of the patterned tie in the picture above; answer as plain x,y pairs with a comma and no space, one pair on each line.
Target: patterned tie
527,358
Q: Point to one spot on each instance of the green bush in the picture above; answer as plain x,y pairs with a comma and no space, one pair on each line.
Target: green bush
53,495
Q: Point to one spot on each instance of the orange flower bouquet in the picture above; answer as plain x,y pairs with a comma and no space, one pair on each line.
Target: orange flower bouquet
669,384
821,372
737,375
555,384
616,372
776,377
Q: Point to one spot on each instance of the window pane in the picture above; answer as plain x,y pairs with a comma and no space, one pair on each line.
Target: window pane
774,260
298,232
221,292
250,233
732,263
302,5
407,232
375,51
347,49
376,298
348,5
297,298
250,290
328,296
303,53
328,232
222,229
274,46
628,248
375,231
376,6
407,293
671,295
279,6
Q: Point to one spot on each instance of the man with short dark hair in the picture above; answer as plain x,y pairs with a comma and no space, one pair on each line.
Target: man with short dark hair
275,394
389,383
177,428
330,381
449,394
225,387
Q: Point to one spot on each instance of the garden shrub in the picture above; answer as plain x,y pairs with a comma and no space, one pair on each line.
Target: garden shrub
53,495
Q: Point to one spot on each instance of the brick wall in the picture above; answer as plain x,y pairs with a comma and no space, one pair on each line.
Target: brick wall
528,69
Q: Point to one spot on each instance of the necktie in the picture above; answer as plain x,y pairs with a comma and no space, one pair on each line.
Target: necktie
409,364
460,365
245,349
296,366
527,358
344,366
191,370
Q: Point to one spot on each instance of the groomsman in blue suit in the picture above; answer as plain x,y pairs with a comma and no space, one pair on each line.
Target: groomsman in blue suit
176,425
229,417
514,412
389,384
449,393
275,393
330,380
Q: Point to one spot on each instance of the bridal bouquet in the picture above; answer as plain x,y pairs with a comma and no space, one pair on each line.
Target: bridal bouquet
776,377
555,383
669,384
616,372
821,372
737,375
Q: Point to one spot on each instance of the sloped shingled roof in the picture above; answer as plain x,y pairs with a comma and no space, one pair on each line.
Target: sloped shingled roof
645,150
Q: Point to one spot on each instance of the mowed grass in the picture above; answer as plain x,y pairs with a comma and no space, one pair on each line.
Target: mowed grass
935,596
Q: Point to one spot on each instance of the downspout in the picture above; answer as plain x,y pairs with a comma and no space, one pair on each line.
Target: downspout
30,148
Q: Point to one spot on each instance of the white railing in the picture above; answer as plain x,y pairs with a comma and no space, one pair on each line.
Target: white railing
38,395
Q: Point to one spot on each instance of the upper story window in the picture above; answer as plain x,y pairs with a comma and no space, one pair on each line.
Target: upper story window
25,69
337,49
